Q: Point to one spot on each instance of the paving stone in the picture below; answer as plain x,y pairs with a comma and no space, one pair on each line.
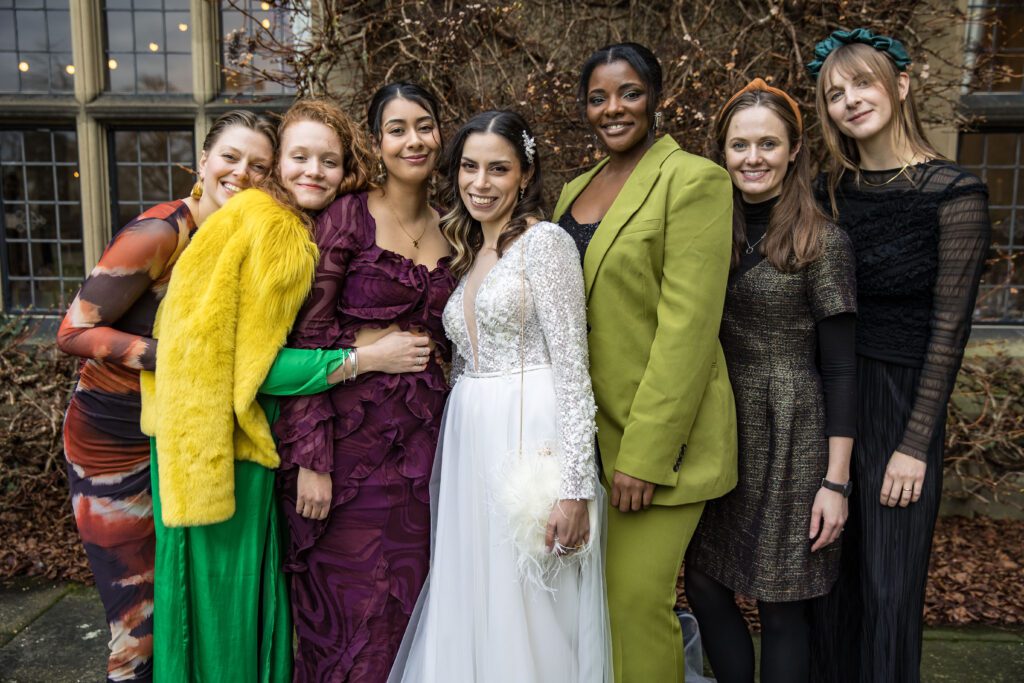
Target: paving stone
22,600
65,644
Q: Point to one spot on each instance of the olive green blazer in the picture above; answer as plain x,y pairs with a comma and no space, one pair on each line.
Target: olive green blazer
656,273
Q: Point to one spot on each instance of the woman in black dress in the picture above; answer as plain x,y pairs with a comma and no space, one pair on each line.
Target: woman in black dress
920,230
791,299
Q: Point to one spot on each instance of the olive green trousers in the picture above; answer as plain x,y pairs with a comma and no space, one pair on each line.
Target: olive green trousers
645,552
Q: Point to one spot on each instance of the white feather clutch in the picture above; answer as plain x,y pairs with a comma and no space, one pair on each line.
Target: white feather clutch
526,494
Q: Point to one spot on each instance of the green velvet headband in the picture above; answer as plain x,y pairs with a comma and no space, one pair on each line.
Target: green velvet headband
889,46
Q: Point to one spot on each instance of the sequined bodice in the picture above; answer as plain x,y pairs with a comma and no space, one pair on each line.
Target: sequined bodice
551,295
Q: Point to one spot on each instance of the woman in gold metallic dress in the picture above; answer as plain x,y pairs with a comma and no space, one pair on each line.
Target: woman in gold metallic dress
788,336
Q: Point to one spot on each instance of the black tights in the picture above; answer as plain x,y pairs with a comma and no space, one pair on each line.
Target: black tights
785,634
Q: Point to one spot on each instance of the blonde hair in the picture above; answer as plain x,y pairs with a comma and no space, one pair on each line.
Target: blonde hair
355,152
859,60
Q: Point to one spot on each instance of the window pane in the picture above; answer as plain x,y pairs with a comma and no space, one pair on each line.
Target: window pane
994,156
128,183
73,260
68,188
155,186
15,221
30,37
42,219
43,238
13,182
247,25
149,51
146,170
31,30
121,72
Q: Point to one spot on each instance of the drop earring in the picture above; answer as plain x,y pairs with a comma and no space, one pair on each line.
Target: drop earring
657,121
382,171
197,190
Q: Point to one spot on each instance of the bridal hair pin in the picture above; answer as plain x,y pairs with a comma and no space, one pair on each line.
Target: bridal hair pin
529,147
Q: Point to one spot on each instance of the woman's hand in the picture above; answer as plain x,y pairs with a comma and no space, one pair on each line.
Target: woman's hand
904,480
828,515
313,499
568,525
394,353
630,494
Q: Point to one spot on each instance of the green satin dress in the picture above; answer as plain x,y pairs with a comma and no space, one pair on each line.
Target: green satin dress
221,610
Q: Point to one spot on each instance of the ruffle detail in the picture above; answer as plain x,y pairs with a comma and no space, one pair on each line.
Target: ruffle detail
379,420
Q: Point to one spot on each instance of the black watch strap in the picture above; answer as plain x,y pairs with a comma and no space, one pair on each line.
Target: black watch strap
844,489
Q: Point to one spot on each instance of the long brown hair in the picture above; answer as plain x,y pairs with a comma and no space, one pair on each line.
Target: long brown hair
793,238
355,154
463,231
857,60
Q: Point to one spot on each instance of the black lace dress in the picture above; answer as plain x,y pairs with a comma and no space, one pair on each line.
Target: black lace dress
920,241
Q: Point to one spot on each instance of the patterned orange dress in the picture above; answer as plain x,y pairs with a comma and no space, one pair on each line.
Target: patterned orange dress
110,326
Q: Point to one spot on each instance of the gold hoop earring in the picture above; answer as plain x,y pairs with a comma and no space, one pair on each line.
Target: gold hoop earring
197,190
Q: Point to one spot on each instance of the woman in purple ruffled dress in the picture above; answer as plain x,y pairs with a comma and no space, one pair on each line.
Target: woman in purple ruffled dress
356,460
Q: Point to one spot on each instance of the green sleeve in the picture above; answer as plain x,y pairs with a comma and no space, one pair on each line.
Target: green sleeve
301,372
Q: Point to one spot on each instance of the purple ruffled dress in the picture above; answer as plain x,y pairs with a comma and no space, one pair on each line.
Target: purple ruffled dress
355,576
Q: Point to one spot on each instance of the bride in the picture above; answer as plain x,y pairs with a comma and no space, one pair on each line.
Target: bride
520,383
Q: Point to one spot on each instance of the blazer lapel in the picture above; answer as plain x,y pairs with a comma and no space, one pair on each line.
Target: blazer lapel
630,198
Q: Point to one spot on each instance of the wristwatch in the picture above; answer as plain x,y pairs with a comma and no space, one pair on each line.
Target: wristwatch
838,488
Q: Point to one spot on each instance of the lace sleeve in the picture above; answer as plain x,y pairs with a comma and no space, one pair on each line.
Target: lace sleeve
964,234
556,282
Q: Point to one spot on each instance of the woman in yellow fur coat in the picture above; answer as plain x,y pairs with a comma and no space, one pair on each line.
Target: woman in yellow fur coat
221,602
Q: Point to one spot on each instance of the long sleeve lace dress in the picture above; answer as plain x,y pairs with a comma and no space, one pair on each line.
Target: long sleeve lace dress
478,620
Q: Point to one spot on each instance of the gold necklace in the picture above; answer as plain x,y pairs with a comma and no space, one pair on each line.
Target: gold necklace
903,169
415,240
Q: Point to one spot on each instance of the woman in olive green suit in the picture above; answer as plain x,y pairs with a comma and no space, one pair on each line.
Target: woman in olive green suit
654,228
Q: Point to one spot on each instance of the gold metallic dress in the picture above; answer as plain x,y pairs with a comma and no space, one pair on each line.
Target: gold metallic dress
754,540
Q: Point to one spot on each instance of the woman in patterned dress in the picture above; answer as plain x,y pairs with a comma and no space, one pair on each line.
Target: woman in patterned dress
109,325
356,459
788,335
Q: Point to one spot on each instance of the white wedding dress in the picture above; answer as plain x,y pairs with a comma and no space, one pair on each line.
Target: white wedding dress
477,620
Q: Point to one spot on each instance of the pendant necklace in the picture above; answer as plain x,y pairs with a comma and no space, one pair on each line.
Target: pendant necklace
903,169
415,240
750,247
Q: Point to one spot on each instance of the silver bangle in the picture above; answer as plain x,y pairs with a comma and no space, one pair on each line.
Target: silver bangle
354,355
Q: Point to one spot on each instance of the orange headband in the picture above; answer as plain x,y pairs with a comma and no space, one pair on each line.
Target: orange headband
759,84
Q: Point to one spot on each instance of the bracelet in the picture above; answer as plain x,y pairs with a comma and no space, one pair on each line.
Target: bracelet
354,355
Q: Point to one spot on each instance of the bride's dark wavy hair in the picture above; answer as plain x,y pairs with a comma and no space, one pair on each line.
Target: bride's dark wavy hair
461,230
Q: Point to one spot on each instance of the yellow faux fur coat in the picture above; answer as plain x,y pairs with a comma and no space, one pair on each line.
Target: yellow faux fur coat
233,297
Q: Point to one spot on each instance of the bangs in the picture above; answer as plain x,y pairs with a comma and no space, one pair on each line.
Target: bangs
856,61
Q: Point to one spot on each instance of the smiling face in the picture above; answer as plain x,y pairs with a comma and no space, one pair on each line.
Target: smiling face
490,178
238,158
617,101
859,104
758,153
410,141
311,163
